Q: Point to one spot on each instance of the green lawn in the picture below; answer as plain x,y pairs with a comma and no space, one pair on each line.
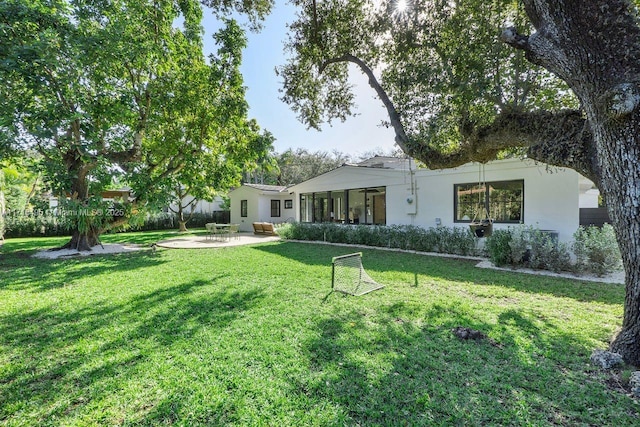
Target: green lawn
252,336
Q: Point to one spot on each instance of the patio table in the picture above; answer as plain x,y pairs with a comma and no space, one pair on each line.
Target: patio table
221,231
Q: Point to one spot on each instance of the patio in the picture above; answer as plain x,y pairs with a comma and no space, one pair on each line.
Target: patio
202,241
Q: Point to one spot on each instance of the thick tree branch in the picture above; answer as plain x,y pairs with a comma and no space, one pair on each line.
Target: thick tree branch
511,37
394,117
560,138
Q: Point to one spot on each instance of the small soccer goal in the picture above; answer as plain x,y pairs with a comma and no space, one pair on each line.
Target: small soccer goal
348,275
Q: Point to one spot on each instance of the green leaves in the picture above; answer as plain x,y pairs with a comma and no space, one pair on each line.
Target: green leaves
201,138
439,62
121,91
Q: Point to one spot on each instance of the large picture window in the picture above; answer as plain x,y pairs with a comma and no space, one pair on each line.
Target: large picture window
502,200
275,208
356,206
243,208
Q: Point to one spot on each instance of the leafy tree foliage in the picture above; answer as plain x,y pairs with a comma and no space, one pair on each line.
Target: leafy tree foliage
556,80
294,166
438,95
114,90
23,186
3,207
300,165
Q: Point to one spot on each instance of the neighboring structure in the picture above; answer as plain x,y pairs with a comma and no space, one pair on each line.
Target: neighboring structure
385,190
201,206
107,195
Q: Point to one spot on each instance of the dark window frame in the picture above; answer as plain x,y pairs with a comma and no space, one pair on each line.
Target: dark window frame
244,211
275,208
288,204
367,218
487,200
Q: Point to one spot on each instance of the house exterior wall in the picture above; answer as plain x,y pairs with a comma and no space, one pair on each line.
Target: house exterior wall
551,195
259,206
350,177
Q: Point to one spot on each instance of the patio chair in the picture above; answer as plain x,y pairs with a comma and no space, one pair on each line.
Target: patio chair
222,233
234,229
211,231
269,228
257,228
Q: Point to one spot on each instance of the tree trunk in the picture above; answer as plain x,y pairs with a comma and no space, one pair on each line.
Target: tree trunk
83,241
86,239
182,223
180,197
618,149
31,193
595,48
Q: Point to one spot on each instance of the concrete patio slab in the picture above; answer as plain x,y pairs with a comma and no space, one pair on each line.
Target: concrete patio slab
202,242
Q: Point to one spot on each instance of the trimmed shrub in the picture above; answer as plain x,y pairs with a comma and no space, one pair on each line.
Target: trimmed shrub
498,247
596,250
458,241
39,224
546,253
526,246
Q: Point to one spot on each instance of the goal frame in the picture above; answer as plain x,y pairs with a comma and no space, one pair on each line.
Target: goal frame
363,278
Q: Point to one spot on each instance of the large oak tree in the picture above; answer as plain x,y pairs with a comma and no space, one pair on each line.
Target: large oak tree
120,90
556,80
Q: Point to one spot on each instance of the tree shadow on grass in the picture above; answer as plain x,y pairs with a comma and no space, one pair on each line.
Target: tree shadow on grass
31,245
397,372
61,361
20,271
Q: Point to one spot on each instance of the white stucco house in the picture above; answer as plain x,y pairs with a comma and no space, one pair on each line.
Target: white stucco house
392,191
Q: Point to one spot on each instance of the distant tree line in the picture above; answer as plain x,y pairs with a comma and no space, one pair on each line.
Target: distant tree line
294,166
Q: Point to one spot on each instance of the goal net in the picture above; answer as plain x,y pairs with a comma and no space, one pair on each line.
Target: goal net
348,275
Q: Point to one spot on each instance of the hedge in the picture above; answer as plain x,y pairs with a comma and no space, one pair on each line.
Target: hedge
34,224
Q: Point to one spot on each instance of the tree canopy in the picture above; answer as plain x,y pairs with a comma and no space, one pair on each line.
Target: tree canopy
454,93
118,90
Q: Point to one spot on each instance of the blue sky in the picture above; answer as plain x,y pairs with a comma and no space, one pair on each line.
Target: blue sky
357,135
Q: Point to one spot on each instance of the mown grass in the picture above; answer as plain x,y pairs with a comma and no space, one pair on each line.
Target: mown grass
253,336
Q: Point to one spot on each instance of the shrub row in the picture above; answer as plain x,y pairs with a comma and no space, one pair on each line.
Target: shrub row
455,240
528,247
36,225
60,225
595,250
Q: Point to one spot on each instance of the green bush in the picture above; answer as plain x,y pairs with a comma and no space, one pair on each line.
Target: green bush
498,247
458,241
596,250
546,253
526,246
519,245
35,225
45,223
455,240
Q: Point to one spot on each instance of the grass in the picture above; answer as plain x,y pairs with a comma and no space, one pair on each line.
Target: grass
252,336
